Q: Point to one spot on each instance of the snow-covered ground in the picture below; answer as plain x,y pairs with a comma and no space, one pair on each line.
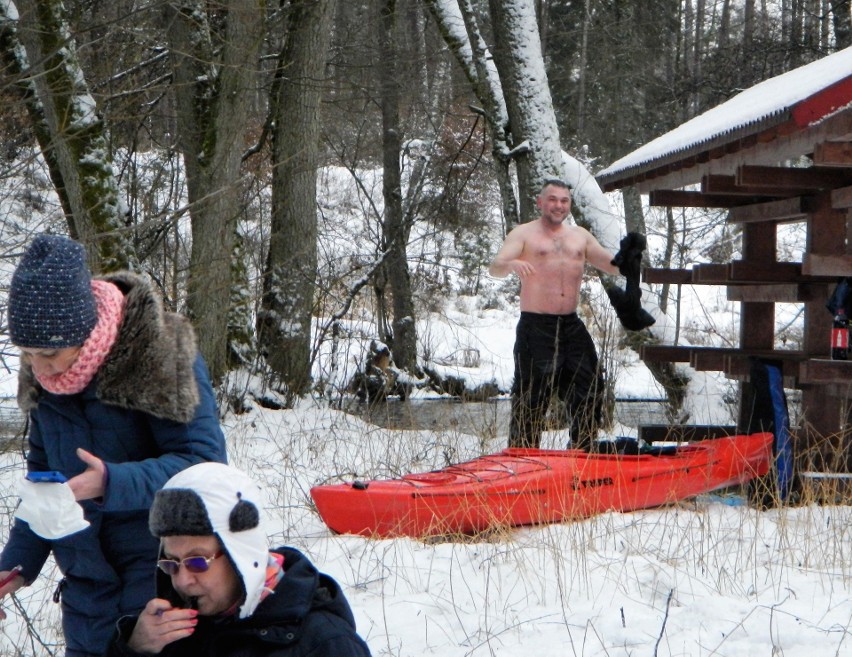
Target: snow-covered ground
699,578
708,577
705,577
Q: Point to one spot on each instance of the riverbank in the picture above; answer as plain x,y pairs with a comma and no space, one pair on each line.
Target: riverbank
485,419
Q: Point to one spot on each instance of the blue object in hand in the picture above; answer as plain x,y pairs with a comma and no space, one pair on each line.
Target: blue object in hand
47,476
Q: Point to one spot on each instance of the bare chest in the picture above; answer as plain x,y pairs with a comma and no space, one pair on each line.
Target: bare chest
555,251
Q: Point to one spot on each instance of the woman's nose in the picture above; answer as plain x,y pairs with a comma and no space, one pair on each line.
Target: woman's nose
41,366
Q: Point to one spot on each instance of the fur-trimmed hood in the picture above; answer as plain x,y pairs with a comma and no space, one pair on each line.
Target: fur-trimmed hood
149,368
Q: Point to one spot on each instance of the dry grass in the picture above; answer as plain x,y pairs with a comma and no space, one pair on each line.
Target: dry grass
615,584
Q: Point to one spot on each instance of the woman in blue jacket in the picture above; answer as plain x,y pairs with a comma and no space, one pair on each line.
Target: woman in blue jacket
118,401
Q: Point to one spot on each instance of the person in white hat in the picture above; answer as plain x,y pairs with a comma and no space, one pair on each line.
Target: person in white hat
222,592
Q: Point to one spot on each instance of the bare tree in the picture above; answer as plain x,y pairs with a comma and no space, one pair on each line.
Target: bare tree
284,322
459,26
213,72
841,16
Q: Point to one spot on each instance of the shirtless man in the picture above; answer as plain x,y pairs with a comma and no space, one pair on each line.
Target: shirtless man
553,350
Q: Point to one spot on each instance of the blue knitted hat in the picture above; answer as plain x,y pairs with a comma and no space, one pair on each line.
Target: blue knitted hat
51,304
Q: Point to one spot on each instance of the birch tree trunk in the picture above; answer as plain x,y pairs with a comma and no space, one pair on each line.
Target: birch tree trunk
284,323
534,132
458,25
70,131
213,74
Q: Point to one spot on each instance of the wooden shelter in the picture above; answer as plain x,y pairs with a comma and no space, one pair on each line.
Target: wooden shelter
778,152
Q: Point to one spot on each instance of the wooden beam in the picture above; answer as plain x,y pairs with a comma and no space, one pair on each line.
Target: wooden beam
663,353
738,366
783,355
760,242
839,390
810,293
710,274
841,199
814,178
778,293
776,276
740,272
833,154
707,361
747,271
820,420
757,327
681,199
735,362
788,209
718,184
816,264
667,276
818,370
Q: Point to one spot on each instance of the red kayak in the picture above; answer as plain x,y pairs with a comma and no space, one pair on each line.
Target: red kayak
518,487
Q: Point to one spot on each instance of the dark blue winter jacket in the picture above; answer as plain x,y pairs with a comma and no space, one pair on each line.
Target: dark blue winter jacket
149,413
306,616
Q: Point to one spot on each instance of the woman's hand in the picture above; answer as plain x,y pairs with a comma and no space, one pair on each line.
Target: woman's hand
90,483
9,587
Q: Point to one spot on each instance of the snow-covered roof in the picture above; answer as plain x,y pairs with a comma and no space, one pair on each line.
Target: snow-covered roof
805,94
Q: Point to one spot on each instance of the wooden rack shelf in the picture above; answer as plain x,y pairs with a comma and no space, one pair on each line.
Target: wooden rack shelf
824,371
735,362
740,272
767,173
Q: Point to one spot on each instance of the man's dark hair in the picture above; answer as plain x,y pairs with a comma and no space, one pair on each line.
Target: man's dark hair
556,182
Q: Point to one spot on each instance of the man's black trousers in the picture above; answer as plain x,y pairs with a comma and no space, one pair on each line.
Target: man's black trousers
554,357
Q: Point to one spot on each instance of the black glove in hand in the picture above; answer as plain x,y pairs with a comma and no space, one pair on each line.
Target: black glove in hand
629,257
627,302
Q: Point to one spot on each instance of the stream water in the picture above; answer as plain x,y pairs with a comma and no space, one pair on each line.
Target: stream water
487,418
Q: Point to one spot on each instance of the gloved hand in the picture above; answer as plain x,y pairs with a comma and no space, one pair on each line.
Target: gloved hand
627,302
629,257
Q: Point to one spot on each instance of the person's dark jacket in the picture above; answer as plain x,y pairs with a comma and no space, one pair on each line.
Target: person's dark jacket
149,413
306,616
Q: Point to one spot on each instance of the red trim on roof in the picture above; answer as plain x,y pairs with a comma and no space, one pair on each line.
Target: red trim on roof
823,103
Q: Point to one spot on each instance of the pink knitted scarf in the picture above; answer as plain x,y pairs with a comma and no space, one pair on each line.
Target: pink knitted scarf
110,302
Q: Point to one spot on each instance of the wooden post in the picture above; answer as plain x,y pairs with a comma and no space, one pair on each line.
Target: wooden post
826,235
757,318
